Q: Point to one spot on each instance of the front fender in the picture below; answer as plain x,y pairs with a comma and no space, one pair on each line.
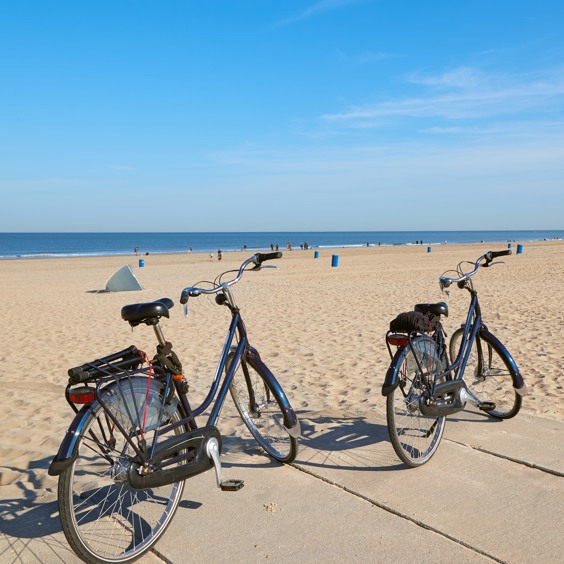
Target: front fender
391,381
518,382
291,421
67,451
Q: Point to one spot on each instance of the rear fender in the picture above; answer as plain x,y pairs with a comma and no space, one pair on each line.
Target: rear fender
67,451
391,381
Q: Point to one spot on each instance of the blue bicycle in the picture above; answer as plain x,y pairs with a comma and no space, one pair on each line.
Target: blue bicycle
134,439
422,386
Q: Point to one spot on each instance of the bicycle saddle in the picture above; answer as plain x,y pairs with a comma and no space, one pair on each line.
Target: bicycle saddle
440,308
148,313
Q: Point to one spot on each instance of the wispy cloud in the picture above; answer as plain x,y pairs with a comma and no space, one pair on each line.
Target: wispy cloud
467,93
318,8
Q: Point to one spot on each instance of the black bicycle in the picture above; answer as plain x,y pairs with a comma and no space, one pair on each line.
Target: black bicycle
134,439
423,386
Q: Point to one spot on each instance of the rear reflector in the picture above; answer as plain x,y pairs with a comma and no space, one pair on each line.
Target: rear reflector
397,340
82,395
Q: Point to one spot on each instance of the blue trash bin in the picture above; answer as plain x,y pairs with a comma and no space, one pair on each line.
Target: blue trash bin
316,254
429,249
519,249
141,263
335,260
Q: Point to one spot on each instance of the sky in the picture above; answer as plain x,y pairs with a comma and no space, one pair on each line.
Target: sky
290,115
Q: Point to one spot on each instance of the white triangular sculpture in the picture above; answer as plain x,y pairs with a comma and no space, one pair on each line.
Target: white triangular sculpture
123,280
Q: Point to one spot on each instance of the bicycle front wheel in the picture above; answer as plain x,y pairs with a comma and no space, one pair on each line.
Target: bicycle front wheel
103,518
489,375
261,409
414,436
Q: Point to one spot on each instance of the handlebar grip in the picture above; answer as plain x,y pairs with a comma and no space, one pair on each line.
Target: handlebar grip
184,296
261,257
495,254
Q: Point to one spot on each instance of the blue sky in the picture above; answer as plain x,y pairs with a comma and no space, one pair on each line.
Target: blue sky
222,115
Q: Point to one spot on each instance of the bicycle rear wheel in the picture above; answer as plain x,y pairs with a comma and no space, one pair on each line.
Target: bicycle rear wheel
103,518
489,375
261,409
414,436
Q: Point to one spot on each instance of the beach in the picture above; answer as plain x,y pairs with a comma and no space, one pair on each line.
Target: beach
319,328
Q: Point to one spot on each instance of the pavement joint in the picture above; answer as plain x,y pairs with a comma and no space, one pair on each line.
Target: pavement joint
509,458
397,513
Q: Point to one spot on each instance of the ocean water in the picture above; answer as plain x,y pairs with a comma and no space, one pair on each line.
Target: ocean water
36,245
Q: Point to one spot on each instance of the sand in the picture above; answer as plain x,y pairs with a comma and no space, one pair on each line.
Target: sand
320,329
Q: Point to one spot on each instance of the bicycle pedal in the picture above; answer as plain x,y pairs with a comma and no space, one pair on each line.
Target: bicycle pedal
231,485
486,406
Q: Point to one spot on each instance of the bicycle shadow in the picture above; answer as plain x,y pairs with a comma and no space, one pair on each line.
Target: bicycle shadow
345,443
472,416
352,443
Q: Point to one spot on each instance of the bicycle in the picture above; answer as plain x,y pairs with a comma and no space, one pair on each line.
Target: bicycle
422,386
134,439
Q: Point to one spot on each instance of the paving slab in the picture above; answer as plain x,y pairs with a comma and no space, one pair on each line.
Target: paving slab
490,496
494,492
287,515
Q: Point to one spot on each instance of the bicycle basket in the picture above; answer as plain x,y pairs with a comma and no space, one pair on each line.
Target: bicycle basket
135,404
428,355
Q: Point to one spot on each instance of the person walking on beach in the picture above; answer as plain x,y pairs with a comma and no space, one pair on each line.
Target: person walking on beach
219,254
136,250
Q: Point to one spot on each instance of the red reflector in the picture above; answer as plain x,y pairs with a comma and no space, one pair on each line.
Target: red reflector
82,395
397,340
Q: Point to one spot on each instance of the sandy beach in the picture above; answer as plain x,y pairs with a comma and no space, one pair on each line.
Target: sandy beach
320,329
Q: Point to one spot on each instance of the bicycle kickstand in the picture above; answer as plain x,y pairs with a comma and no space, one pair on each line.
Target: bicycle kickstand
212,449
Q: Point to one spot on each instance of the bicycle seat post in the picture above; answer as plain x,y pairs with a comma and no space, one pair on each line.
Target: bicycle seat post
159,333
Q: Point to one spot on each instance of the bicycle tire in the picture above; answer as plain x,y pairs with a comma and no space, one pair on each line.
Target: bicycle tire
103,519
414,436
260,407
492,375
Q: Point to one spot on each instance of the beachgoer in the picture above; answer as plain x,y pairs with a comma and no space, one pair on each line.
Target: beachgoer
136,249
211,255
218,254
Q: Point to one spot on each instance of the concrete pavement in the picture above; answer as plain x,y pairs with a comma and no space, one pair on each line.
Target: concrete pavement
493,492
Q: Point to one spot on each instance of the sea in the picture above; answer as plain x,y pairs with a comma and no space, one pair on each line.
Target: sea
45,245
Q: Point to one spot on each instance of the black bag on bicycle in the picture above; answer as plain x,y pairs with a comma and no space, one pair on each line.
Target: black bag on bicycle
415,321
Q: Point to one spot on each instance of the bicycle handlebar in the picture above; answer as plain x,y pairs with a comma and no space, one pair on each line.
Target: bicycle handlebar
446,281
257,259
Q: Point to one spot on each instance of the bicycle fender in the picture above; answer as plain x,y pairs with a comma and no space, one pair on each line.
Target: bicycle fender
291,421
391,381
67,451
518,382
